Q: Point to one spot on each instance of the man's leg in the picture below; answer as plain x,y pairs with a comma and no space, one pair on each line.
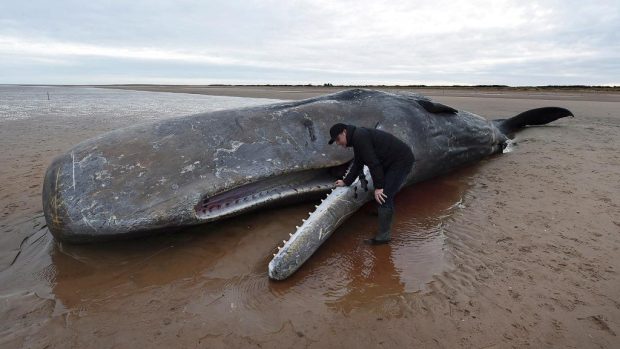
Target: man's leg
395,177
385,225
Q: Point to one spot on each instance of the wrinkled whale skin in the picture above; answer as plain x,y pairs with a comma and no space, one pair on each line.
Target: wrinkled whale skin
195,169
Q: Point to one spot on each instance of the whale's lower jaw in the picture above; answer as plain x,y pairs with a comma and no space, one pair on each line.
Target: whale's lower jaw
273,191
334,210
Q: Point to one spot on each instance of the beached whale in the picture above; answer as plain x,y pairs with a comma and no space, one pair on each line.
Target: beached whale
206,167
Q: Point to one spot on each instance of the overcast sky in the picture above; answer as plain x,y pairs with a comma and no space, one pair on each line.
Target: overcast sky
432,42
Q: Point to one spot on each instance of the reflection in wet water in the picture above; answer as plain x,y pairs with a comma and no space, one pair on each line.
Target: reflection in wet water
369,275
97,104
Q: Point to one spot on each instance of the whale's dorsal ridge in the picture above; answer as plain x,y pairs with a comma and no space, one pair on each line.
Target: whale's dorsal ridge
436,108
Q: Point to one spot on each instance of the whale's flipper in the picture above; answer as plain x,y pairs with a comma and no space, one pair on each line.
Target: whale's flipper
436,108
538,116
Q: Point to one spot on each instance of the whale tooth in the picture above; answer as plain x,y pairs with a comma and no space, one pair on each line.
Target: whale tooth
296,227
274,254
303,220
290,234
284,241
279,248
316,206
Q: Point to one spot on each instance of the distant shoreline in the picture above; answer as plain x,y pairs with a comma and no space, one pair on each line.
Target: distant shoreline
295,92
475,87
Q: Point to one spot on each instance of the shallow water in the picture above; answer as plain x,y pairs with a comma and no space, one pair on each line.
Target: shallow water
22,102
227,262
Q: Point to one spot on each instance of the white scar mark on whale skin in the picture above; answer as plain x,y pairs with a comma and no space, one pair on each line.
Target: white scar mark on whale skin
73,158
190,167
321,236
234,145
88,222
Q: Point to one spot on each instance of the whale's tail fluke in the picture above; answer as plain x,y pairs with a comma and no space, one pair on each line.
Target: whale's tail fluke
538,116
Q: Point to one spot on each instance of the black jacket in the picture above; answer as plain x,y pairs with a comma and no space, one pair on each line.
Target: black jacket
376,149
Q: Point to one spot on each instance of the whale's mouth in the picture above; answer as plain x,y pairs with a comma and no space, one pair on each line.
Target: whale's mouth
278,190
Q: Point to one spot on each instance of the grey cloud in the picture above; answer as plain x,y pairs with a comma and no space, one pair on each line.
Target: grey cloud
504,42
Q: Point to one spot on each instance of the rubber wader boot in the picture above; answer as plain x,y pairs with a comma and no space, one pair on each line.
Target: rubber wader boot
385,223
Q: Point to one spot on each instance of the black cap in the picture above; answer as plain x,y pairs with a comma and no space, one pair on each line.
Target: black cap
335,131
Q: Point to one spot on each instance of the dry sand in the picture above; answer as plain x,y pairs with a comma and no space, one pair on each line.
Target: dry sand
520,250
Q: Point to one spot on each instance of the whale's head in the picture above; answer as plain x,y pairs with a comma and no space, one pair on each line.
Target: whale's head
201,168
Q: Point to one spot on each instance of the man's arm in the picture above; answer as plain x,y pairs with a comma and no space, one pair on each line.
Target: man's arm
367,152
354,171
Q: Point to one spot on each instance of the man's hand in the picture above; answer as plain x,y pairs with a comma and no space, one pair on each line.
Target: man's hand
339,183
380,196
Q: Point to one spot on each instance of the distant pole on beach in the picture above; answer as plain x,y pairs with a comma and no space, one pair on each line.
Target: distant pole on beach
48,96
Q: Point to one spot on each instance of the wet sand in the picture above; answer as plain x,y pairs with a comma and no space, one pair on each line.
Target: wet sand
519,250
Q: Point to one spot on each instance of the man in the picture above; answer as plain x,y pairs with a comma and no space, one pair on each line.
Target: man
389,160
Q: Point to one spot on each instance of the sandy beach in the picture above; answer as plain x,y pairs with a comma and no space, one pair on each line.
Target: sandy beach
520,250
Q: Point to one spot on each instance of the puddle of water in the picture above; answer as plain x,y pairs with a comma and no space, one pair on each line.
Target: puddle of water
231,258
